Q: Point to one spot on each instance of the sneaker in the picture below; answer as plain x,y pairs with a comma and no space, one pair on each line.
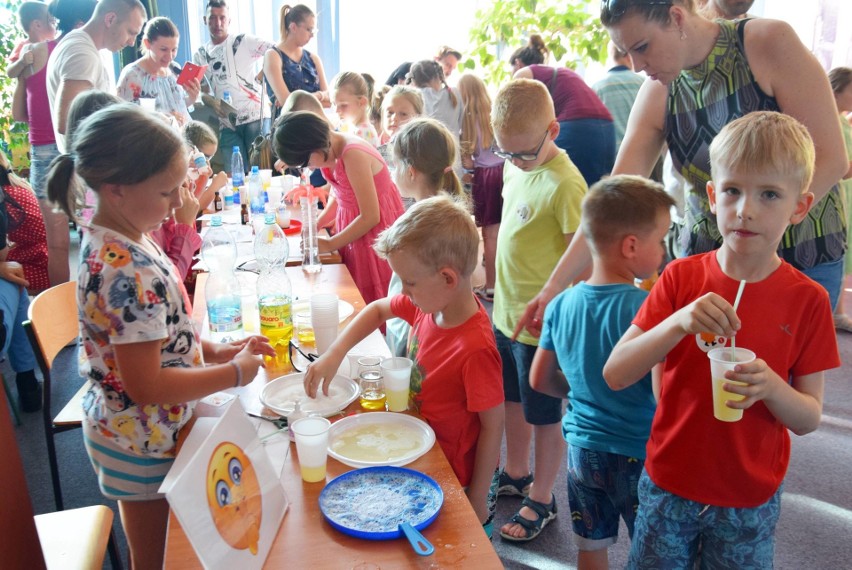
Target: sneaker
507,486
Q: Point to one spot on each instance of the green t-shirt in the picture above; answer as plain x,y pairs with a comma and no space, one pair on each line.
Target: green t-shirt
539,208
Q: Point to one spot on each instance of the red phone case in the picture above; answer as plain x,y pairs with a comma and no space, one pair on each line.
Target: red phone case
191,71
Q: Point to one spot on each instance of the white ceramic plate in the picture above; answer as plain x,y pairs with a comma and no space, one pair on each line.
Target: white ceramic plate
280,395
344,309
379,438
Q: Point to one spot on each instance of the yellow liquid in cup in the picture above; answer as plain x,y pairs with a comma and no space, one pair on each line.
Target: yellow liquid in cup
397,400
720,396
372,400
306,335
312,474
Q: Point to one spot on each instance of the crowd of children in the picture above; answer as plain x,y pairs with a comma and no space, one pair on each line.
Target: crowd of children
631,364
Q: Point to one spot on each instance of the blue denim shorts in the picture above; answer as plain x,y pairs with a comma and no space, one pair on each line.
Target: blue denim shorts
40,158
601,487
673,532
539,409
830,276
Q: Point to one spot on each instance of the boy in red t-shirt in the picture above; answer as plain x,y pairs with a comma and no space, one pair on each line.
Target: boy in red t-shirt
457,378
707,482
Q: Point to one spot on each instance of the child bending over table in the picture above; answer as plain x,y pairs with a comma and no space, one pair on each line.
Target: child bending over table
456,379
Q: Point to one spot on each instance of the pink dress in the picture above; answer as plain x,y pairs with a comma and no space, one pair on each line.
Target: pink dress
370,273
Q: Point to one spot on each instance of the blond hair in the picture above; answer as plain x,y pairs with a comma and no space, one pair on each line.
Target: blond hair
438,232
406,92
476,124
300,100
765,141
428,147
522,106
622,205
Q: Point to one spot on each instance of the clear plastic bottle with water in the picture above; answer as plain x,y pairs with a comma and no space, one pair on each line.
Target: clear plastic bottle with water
274,292
238,173
310,247
255,191
222,290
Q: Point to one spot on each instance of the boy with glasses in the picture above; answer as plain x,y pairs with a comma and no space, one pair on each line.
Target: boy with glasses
542,193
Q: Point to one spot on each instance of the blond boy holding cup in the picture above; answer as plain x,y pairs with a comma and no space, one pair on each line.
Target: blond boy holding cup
456,379
709,482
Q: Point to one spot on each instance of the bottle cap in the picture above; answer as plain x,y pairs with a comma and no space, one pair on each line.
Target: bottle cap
216,220
236,148
269,218
254,169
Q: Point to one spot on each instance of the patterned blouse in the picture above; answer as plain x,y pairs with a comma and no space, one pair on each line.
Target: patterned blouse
701,101
135,83
129,292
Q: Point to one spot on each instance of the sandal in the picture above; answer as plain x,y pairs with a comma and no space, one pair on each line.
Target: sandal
546,513
842,323
517,487
483,293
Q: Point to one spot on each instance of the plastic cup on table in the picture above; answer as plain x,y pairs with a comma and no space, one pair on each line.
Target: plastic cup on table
722,360
148,103
324,320
265,177
396,373
311,435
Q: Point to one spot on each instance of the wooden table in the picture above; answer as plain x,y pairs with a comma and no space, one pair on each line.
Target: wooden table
304,539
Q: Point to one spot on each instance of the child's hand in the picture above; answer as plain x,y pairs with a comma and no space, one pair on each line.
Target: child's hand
320,371
225,352
248,361
324,244
710,313
761,379
188,208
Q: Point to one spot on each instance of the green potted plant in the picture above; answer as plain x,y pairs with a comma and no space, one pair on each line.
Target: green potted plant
13,134
570,30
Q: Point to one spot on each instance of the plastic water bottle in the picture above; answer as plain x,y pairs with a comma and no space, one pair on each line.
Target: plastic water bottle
222,290
274,292
238,173
197,163
226,97
255,191
227,197
310,247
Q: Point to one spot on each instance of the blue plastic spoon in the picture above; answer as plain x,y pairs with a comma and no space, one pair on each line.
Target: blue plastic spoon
421,546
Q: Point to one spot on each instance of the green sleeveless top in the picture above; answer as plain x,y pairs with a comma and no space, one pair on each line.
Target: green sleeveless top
701,101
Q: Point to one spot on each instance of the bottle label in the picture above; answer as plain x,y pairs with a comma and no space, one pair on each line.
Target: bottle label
275,314
224,318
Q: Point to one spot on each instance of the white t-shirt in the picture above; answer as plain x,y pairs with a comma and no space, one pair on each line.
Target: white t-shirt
76,59
232,67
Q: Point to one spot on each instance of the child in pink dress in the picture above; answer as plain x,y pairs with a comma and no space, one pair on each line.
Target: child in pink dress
364,200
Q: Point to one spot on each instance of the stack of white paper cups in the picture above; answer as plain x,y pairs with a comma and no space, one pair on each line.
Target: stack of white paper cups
324,320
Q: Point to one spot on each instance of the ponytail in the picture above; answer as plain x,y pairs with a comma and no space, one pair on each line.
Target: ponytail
63,186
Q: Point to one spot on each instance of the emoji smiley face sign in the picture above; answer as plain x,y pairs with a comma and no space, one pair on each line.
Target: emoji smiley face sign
234,497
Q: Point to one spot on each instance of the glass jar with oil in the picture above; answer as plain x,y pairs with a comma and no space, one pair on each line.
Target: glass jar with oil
372,390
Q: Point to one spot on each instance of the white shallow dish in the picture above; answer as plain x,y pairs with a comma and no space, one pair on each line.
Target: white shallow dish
379,439
280,395
344,309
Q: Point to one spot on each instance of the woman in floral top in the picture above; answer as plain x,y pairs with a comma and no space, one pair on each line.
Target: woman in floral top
151,76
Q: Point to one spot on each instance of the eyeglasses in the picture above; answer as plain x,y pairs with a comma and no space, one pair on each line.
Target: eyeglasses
614,9
525,156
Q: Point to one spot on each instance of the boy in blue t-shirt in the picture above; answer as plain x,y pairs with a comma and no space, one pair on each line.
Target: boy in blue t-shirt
625,219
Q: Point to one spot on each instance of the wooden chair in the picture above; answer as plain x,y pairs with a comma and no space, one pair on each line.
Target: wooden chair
76,538
52,325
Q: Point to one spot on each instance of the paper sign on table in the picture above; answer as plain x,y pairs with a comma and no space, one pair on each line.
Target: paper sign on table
223,489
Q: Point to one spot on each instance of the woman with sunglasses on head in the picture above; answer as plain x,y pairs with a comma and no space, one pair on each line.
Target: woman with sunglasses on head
586,129
703,75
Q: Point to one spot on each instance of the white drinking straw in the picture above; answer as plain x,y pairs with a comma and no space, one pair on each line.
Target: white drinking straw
736,304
